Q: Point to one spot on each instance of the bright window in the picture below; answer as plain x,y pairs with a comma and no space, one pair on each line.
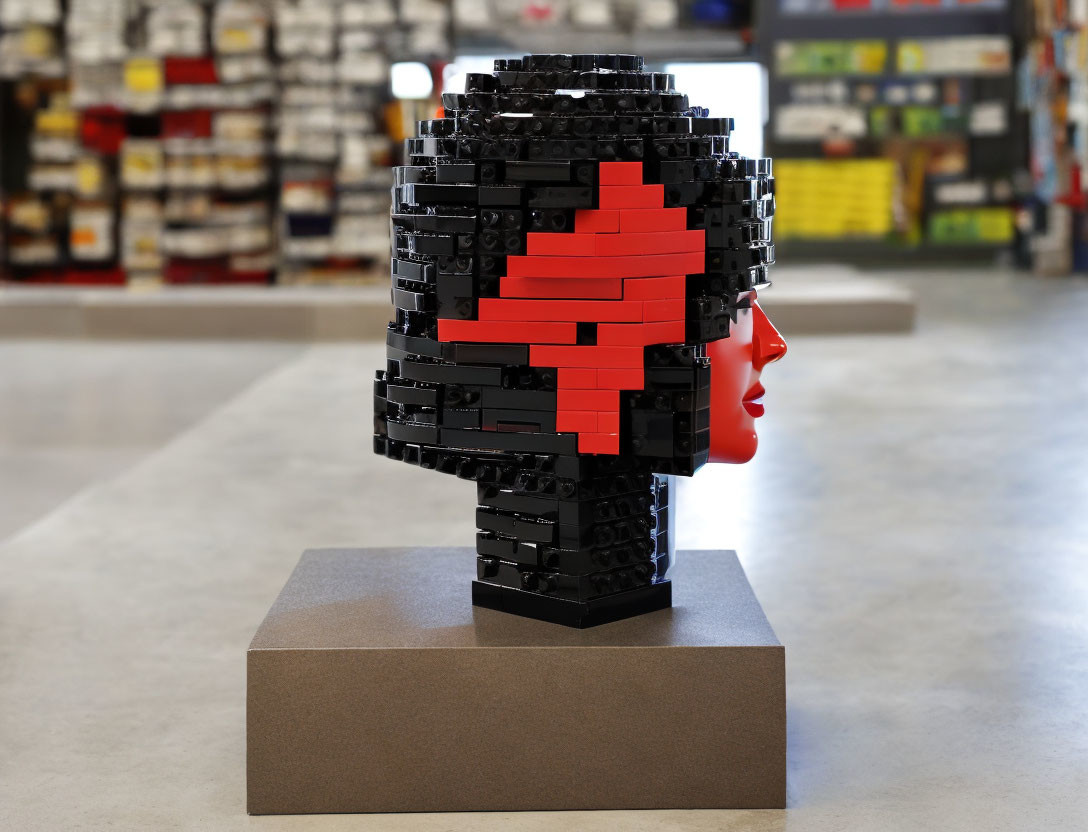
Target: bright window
729,90
411,79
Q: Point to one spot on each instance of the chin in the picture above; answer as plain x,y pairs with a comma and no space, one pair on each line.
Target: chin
747,448
737,446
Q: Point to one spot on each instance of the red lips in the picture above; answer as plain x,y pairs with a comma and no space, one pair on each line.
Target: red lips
753,401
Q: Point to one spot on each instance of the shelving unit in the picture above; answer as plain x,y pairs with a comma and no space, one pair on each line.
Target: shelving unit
676,30
339,128
1053,94
203,141
43,168
251,140
916,95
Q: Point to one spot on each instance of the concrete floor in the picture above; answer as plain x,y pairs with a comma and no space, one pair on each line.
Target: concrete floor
73,414
914,525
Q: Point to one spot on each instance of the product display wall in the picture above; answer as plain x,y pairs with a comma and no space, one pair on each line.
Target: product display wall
250,140
894,122
208,141
201,142
1053,78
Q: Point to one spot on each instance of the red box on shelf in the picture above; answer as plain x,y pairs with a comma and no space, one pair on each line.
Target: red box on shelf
186,270
179,70
102,129
187,124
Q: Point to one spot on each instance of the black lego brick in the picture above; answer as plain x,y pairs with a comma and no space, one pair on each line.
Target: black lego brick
496,397
412,394
451,374
455,173
561,443
414,433
415,301
449,223
414,270
580,561
500,195
568,587
508,354
461,417
538,172
584,511
521,420
414,345
579,614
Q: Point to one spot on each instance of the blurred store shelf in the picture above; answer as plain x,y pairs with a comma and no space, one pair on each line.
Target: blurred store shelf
667,45
821,300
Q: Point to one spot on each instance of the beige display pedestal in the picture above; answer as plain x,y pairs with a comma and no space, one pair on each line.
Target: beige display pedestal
375,686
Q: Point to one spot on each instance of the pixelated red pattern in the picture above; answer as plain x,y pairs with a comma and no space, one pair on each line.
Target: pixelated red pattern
622,268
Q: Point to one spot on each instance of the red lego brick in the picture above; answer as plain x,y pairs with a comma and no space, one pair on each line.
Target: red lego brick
545,355
630,196
620,173
587,221
622,335
598,443
598,288
611,245
536,309
653,242
631,335
612,379
608,422
649,265
580,377
663,310
655,288
587,400
508,332
658,219
576,420
577,245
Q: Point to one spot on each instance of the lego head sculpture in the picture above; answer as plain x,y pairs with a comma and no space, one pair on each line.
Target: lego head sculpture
576,257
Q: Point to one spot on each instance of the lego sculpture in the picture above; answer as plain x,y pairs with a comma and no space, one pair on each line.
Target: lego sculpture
576,255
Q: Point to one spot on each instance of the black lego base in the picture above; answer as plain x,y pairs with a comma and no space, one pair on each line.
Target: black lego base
580,614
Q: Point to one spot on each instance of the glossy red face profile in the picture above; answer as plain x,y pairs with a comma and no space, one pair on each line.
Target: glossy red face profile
736,394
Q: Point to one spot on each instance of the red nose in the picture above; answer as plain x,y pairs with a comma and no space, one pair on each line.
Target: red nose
767,342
